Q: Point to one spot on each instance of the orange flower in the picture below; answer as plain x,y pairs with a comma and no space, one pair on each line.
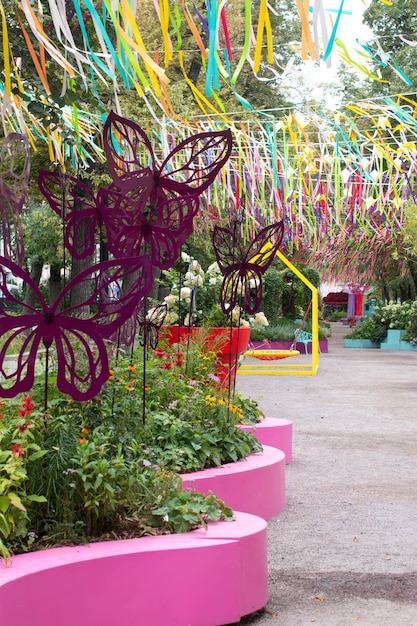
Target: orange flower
131,368
82,440
85,430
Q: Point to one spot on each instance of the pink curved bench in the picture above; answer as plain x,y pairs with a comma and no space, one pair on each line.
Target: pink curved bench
275,432
201,578
255,485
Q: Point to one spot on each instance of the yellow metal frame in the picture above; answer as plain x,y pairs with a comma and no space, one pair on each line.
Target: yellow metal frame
299,369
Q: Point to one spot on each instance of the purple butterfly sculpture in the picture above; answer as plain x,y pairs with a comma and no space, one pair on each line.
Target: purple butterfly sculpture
133,228
188,169
76,204
14,176
243,267
82,362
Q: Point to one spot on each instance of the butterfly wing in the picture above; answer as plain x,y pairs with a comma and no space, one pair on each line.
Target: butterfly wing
243,269
133,228
259,256
17,368
129,154
76,204
188,169
195,162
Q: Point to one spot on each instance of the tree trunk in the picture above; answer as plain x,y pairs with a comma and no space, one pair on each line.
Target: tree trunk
54,283
30,297
81,291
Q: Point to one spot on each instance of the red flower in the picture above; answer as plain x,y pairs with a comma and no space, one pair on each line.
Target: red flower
26,406
23,427
27,401
17,450
159,353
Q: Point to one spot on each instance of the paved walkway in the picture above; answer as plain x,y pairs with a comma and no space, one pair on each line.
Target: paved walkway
345,549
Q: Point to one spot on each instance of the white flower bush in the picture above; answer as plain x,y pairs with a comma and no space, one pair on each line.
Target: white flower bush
195,300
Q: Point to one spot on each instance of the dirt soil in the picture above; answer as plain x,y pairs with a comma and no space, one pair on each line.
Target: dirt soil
344,551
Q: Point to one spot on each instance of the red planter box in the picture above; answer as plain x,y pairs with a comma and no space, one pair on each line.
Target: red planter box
217,339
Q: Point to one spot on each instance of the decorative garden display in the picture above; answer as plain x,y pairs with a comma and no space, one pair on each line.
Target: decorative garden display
97,382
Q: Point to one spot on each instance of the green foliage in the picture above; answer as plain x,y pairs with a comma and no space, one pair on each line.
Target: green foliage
395,315
98,467
18,452
43,236
185,510
284,331
388,21
273,288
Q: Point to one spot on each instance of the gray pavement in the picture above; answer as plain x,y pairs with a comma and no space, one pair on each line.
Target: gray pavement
344,551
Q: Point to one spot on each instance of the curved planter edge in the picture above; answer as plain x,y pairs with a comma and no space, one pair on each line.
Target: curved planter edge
238,484
168,579
275,432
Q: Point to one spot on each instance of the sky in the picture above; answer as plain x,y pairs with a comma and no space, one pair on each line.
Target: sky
350,26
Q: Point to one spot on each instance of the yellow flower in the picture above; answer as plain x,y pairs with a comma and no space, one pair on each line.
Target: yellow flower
210,400
221,401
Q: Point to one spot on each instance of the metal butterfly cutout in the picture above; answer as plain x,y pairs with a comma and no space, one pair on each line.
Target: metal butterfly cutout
76,204
243,267
150,323
188,169
81,355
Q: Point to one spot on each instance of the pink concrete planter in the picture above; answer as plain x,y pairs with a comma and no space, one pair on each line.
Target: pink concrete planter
275,432
255,485
202,578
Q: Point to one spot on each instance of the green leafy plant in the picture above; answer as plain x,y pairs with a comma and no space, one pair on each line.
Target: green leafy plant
98,469
18,451
394,315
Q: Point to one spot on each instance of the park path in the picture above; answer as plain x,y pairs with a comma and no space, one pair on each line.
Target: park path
344,551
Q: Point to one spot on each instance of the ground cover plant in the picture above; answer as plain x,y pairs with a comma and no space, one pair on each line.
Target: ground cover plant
84,471
284,331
